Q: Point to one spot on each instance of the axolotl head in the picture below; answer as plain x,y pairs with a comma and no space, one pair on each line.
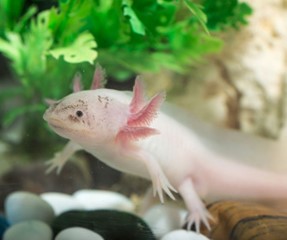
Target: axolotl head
99,116
92,116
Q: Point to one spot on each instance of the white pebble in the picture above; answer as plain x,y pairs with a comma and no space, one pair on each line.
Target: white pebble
24,206
162,219
184,235
76,233
61,202
29,230
99,199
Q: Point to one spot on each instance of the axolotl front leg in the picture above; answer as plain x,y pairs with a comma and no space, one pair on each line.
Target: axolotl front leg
60,158
159,180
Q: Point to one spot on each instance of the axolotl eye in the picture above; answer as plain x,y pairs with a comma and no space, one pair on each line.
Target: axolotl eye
79,113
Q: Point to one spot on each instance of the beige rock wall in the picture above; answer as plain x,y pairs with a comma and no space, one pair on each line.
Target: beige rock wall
243,87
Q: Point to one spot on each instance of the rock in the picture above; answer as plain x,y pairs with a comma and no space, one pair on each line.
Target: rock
99,199
24,206
110,224
32,178
183,235
76,233
61,202
3,225
29,230
163,218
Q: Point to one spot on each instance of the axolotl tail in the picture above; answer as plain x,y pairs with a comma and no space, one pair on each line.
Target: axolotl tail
231,180
234,145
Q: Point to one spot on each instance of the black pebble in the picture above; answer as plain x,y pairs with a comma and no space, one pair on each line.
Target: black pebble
110,224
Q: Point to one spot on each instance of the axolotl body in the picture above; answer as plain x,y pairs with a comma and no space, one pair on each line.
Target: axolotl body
133,135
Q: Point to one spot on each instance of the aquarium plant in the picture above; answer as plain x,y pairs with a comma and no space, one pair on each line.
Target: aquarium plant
46,47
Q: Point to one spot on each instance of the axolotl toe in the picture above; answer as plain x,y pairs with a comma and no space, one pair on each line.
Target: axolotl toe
135,136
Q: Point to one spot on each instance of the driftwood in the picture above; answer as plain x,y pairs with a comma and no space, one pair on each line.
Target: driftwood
236,220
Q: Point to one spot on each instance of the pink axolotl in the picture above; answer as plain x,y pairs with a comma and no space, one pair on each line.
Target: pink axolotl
134,136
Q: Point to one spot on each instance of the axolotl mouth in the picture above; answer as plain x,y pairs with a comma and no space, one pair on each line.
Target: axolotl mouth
62,128
57,126
54,123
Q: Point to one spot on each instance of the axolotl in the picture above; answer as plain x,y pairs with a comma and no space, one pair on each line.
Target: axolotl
133,135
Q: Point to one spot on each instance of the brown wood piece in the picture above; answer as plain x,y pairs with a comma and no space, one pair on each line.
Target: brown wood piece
246,221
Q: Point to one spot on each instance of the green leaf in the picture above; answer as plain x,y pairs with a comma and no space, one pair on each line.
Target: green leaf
81,50
136,25
10,47
240,14
37,41
23,21
197,12
12,8
68,19
9,14
225,13
27,51
154,14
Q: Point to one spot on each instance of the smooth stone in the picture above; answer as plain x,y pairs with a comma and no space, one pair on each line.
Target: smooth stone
61,202
32,178
163,219
110,224
183,235
76,233
3,225
24,206
29,230
100,199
